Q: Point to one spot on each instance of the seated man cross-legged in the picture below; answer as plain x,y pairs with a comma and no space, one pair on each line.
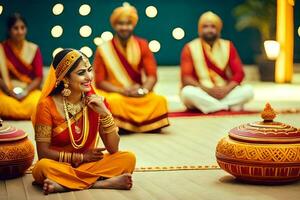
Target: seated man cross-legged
211,70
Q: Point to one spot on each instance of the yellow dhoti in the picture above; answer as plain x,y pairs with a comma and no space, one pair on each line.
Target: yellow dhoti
86,174
13,109
138,114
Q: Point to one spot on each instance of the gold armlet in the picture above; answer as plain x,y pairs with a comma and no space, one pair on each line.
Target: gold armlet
43,133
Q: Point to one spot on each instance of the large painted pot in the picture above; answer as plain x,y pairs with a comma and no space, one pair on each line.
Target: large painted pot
16,152
265,152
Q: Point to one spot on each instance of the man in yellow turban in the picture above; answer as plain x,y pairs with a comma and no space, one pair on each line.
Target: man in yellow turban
125,73
212,71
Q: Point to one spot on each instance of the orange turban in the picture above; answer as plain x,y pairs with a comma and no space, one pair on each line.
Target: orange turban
212,18
125,11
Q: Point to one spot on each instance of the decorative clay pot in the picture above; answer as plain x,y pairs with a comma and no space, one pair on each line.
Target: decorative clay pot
265,152
16,151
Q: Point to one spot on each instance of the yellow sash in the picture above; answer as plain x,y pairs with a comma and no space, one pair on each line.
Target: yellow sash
219,55
113,64
26,56
132,52
28,52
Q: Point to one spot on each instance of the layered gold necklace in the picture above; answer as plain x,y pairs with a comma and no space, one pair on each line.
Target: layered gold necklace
74,110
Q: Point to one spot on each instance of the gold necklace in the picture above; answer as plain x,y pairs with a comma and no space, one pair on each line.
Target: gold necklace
74,109
85,127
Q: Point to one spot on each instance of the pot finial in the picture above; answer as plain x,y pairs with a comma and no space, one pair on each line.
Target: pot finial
268,114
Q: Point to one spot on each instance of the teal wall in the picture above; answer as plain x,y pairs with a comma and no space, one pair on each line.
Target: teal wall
171,14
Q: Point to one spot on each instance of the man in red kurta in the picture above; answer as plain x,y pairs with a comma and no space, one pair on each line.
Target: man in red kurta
212,71
125,73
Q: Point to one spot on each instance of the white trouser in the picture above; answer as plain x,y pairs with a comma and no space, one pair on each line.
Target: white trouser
195,97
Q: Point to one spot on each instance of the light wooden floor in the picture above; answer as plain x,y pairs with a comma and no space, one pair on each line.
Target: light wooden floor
188,141
198,185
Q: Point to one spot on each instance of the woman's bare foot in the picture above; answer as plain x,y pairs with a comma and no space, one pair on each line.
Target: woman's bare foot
122,182
52,187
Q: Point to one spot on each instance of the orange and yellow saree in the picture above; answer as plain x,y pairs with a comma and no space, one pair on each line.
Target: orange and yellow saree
65,174
18,69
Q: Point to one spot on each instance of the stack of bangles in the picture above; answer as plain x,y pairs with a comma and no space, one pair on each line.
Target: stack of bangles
108,124
72,158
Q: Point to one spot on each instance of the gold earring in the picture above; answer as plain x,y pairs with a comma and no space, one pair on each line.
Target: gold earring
66,91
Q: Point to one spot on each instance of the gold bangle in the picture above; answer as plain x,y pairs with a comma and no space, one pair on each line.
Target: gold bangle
109,124
77,157
67,157
70,158
60,157
63,156
106,119
81,158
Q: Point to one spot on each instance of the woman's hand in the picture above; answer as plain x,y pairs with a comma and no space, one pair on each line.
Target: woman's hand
96,103
93,155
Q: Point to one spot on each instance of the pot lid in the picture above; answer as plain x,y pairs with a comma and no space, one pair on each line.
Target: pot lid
266,131
9,133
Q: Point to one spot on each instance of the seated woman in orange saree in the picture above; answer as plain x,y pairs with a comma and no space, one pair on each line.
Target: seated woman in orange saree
21,70
69,120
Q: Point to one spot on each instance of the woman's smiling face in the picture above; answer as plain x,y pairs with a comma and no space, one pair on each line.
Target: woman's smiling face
81,77
18,31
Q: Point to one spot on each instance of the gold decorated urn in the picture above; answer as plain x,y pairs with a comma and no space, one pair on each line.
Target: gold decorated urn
16,151
264,152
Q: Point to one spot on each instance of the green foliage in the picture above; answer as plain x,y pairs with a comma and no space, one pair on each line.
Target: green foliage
258,14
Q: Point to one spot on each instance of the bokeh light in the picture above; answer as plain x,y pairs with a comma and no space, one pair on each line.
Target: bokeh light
1,9
151,11
57,31
87,51
98,41
55,51
84,9
178,33
57,9
272,49
85,31
107,35
125,3
154,46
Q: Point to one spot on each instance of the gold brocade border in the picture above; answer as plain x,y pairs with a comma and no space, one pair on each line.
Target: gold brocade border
164,168
177,168
60,128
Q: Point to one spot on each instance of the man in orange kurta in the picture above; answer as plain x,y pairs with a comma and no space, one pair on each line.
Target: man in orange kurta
212,71
125,73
